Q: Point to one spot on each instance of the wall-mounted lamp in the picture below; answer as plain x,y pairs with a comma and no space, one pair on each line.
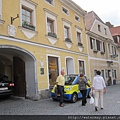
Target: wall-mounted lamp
12,19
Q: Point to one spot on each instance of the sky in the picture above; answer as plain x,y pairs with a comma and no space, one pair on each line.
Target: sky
107,10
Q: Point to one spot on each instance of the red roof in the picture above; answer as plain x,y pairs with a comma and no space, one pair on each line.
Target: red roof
115,31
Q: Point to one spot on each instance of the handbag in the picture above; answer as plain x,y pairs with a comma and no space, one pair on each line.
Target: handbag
91,100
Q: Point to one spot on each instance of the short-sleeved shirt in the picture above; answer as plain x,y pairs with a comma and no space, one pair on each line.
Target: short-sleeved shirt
61,80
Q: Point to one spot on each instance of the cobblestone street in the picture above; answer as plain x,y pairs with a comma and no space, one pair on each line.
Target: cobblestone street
22,106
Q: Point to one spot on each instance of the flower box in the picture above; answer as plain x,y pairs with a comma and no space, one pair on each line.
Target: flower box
68,40
52,34
28,26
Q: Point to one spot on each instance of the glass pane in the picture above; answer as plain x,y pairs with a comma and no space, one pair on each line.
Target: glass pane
28,19
23,11
23,17
28,13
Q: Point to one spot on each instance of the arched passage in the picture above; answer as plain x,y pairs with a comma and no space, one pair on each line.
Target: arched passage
8,54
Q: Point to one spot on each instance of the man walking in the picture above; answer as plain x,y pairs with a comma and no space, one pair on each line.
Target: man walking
99,87
60,86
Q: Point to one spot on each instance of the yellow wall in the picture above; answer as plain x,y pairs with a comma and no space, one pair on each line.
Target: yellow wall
12,7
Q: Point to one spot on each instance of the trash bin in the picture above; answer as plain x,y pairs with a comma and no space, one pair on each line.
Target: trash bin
114,82
109,83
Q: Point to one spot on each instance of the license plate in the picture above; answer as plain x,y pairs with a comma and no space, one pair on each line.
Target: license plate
5,88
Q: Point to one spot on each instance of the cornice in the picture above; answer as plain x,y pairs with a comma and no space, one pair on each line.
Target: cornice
74,6
46,10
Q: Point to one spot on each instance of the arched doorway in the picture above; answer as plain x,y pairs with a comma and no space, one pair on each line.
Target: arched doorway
22,69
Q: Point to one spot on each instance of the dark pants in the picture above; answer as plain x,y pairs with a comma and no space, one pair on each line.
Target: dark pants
61,92
84,101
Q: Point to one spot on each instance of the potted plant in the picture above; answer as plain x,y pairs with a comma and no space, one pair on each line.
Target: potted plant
28,26
52,34
68,40
80,44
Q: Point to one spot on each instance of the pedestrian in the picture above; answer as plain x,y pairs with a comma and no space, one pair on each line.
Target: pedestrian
60,82
99,88
82,87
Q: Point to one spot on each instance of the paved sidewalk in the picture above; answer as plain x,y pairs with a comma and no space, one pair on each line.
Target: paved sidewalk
21,106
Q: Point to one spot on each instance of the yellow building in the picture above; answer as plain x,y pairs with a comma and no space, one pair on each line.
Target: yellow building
37,39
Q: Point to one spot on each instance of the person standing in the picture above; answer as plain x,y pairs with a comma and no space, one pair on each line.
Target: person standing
99,87
82,88
60,82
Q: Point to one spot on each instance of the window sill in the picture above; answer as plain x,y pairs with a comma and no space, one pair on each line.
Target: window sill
51,39
28,33
2,21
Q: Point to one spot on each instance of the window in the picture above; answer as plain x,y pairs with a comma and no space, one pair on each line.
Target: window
105,31
77,18
79,37
109,50
50,1
81,67
66,32
102,47
28,16
98,45
115,39
99,28
112,50
65,10
50,25
93,43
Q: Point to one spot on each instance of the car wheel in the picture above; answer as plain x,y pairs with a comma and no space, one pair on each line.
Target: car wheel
74,98
89,94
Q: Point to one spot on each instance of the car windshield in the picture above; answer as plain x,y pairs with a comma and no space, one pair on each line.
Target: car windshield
69,79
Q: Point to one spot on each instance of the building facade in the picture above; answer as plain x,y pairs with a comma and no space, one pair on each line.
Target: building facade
115,31
102,50
37,40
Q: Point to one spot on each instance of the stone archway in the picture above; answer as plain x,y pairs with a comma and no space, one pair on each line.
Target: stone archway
31,84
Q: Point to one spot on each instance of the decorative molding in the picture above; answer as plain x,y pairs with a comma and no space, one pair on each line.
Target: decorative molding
30,1
66,21
52,40
74,6
48,11
80,48
78,27
68,44
12,30
28,33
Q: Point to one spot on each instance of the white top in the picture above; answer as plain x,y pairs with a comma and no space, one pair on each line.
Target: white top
98,82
